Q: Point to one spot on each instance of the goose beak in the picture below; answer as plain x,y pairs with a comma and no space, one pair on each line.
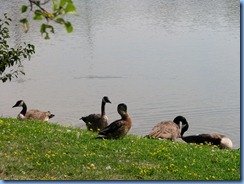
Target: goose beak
82,118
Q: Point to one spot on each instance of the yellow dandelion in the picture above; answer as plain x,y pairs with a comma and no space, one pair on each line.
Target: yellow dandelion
6,156
92,166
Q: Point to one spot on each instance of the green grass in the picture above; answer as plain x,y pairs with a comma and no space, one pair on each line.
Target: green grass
31,150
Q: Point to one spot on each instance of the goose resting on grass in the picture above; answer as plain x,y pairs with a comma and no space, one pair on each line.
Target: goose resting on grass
214,139
169,129
32,114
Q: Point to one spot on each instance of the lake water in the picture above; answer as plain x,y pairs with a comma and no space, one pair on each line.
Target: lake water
162,58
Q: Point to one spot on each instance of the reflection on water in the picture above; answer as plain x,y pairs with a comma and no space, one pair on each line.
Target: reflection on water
97,77
162,58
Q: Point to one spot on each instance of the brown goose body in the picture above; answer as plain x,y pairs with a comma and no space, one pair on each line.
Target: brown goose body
96,122
215,139
169,129
119,128
32,114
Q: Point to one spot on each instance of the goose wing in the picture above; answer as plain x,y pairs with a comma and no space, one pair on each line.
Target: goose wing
95,122
91,118
202,138
112,127
37,115
165,130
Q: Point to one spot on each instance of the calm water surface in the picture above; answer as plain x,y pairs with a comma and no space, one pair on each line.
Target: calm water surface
162,58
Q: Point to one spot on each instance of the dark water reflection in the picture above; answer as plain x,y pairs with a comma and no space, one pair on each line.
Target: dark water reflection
162,58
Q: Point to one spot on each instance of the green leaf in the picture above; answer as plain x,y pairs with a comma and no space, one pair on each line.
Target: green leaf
38,3
43,28
23,21
62,3
47,36
55,5
6,22
38,12
70,8
38,15
24,9
60,21
68,26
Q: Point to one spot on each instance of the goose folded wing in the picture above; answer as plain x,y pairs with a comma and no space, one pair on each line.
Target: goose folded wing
155,132
93,117
37,115
112,127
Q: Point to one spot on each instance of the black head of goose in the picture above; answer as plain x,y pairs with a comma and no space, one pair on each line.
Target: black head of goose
119,128
169,129
219,140
96,122
32,114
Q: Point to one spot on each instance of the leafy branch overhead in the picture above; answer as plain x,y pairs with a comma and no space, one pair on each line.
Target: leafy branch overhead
10,57
60,8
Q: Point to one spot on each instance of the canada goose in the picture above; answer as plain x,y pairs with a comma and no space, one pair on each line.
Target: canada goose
169,129
32,114
119,128
96,122
215,139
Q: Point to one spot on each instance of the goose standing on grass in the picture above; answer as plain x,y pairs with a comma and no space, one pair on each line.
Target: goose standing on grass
119,128
214,139
32,114
169,129
96,122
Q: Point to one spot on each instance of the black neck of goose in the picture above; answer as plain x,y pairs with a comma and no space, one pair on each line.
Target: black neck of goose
24,109
177,122
103,108
184,122
184,127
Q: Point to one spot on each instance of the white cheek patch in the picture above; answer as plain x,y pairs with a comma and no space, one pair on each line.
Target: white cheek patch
21,104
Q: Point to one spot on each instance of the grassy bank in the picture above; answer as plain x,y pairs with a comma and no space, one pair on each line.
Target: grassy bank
34,150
